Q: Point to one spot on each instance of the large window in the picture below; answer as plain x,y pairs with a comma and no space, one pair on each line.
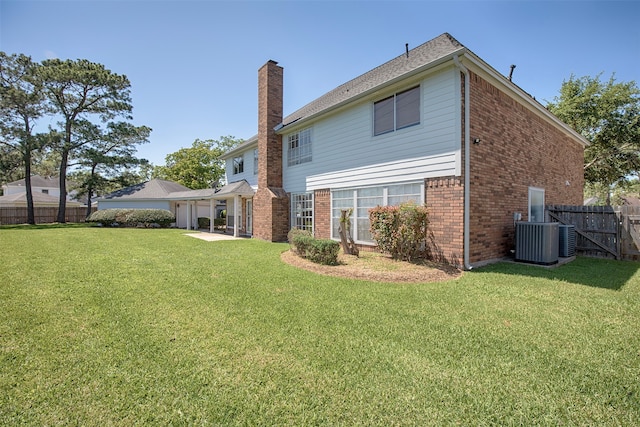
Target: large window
397,111
363,199
299,147
238,165
302,211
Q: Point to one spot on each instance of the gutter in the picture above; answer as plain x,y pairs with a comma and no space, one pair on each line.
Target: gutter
467,163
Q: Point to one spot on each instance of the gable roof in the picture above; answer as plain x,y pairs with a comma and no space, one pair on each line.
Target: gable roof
240,188
154,189
427,54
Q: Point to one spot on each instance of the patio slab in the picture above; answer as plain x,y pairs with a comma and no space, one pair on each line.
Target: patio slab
212,237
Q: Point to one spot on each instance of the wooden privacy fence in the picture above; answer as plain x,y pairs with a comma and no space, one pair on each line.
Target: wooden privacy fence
602,231
43,215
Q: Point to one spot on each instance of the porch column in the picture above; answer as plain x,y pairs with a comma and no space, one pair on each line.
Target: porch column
236,207
211,215
188,215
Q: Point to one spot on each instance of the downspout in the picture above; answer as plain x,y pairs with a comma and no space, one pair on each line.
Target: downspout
467,163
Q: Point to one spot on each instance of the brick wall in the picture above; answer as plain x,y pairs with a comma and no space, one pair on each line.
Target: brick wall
445,200
518,149
322,214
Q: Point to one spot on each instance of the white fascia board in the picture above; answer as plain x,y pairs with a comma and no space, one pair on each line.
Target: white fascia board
478,66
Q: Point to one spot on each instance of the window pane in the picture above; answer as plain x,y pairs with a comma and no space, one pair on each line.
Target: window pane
383,116
302,211
299,147
408,108
536,205
364,234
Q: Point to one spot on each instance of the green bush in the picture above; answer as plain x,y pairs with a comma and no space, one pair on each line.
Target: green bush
320,251
295,234
204,222
400,231
132,218
219,222
323,251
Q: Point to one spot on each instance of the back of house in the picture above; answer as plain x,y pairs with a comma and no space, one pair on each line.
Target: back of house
435,125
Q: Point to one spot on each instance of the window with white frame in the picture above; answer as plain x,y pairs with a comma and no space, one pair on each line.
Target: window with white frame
536,204
238,165
397,111
302,211
299,147
361,200
255,161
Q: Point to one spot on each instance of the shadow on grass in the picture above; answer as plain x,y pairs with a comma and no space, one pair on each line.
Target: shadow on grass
47,226
594,272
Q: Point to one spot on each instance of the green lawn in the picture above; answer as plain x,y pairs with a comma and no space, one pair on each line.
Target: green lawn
133,326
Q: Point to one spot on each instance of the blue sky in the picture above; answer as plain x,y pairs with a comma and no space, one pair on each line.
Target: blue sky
193,64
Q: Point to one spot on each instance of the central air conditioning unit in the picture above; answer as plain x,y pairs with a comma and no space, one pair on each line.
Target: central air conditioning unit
537,242
567,240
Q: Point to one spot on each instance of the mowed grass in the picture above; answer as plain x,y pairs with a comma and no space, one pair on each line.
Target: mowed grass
150,327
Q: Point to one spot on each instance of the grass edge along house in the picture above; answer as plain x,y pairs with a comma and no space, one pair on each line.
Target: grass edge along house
435,125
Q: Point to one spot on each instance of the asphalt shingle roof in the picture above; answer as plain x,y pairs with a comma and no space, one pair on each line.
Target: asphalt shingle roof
154,189
417,58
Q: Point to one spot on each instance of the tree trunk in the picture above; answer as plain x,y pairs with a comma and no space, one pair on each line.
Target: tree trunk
348,245
31,218
62,205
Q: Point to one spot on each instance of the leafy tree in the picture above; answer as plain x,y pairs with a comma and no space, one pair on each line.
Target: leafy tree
11,164
198,166
607,114
77,91
21,104
111,152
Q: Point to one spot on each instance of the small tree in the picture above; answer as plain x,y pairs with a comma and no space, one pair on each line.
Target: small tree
400,231
198,166
344,229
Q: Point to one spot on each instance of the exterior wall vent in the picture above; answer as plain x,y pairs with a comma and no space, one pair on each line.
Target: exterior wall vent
567,240
537,242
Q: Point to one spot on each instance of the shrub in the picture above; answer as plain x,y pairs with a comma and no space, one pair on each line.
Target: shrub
132,217
219,223
323,251
204,222
294,234
400,231
320,251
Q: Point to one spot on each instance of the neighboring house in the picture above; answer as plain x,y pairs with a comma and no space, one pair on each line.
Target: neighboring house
45,191
17,200
39,184
435,125
183,202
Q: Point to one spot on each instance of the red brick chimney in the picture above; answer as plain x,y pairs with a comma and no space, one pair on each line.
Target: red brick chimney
271,202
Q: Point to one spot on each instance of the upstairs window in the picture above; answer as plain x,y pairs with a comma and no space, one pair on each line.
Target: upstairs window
398,111
299,147
238,165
